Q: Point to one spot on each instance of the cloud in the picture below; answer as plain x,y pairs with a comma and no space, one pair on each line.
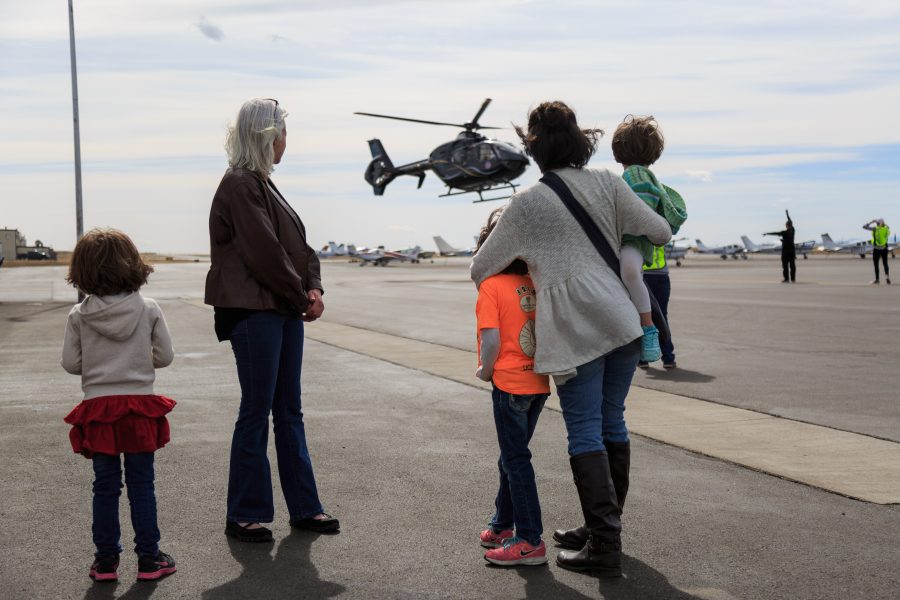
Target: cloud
210,30
704,176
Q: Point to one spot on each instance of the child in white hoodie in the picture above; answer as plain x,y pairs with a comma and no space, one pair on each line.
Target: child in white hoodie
115,339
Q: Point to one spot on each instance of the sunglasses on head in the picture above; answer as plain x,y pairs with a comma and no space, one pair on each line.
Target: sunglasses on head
275,111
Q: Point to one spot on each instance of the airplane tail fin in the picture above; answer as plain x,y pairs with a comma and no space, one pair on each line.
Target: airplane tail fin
828,242
380,171
700,245
442,246
748,244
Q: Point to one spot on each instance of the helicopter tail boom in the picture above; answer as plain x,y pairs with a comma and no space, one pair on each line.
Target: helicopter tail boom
381,171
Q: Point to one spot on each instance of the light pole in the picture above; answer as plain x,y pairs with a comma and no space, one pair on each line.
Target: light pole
79,218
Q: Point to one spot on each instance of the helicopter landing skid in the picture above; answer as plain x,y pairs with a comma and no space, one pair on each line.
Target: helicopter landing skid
481,198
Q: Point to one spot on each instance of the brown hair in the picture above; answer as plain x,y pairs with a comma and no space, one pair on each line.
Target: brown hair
105,262
516,267
554,139
638,141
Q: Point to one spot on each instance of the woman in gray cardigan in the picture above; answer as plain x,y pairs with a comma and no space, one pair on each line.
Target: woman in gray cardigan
587,328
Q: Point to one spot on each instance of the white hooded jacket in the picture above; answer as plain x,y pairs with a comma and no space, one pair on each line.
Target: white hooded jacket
115,343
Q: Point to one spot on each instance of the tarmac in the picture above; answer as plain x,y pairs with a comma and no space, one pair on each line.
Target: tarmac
765,466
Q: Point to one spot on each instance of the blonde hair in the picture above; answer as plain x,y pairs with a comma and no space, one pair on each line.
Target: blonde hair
249,140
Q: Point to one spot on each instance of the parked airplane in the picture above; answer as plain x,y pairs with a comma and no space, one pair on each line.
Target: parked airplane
675,253
381,257
445,249
860,248
802,248
331,249
845,247
732,250
760,248
418,252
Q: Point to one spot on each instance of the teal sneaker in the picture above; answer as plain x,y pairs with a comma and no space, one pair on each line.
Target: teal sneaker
650,351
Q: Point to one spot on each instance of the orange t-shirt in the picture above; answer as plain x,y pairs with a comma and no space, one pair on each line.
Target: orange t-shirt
507,303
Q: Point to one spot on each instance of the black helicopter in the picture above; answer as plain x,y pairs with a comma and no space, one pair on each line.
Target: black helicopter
472,163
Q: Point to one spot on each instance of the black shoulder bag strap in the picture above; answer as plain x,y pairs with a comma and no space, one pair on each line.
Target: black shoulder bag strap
555,183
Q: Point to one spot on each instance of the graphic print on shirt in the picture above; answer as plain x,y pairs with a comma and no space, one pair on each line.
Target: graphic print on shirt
527,299
528,303
526,339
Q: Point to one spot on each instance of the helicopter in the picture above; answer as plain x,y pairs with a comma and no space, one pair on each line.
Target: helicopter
472,163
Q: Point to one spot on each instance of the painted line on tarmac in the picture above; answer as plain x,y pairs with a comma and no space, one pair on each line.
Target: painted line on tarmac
849,464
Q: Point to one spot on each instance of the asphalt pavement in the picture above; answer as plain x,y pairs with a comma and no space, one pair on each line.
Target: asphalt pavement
407,459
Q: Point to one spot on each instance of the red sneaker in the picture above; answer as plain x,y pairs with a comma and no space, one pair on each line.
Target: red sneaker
104,569
517,552
154,567
489,539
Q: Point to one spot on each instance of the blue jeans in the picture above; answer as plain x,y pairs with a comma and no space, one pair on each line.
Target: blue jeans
141,497
593,402
661,287
268,350
517,502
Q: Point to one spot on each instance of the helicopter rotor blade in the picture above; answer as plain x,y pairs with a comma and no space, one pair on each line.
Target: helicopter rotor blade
480,112
411,120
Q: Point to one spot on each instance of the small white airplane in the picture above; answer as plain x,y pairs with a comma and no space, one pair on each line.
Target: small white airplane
845,247
676,253
732,250
381,257
331,249
760,248
445,249
802,248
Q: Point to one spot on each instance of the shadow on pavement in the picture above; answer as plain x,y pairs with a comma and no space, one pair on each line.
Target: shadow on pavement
139,590
286,574
679,374
641,582
540,584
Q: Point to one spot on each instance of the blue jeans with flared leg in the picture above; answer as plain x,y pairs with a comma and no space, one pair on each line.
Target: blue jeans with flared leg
141,498
516,416
268,350
593,402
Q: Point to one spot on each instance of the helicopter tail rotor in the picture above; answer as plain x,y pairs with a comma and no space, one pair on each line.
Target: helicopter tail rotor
380,171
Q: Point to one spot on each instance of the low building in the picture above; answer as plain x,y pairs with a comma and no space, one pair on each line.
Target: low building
10,240
13,245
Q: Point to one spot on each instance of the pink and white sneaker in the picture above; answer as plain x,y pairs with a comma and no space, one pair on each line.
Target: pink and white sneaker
489,539
517,552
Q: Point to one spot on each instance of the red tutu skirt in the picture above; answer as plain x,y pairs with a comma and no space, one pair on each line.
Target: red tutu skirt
115,424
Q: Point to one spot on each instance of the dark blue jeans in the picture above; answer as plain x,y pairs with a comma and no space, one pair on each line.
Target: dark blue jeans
661,287
268,350
517,502
593,402
141,497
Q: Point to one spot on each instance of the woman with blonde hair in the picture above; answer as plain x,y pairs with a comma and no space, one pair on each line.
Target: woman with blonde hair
264,283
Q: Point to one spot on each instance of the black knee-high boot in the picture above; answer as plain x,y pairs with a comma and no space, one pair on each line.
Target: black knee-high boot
619,466
601,555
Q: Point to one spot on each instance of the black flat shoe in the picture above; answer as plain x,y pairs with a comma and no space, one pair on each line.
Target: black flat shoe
244,534
327,525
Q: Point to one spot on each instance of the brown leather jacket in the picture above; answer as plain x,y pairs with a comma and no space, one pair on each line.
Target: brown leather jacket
258,251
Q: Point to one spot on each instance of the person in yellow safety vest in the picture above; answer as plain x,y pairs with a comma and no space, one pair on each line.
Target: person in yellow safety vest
880,234
656,278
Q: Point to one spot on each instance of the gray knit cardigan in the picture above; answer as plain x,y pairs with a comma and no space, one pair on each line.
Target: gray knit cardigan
583,309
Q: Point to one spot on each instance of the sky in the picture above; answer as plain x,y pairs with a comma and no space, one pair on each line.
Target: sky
765,106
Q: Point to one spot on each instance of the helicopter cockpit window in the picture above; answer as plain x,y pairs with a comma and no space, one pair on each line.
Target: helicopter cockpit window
478,157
